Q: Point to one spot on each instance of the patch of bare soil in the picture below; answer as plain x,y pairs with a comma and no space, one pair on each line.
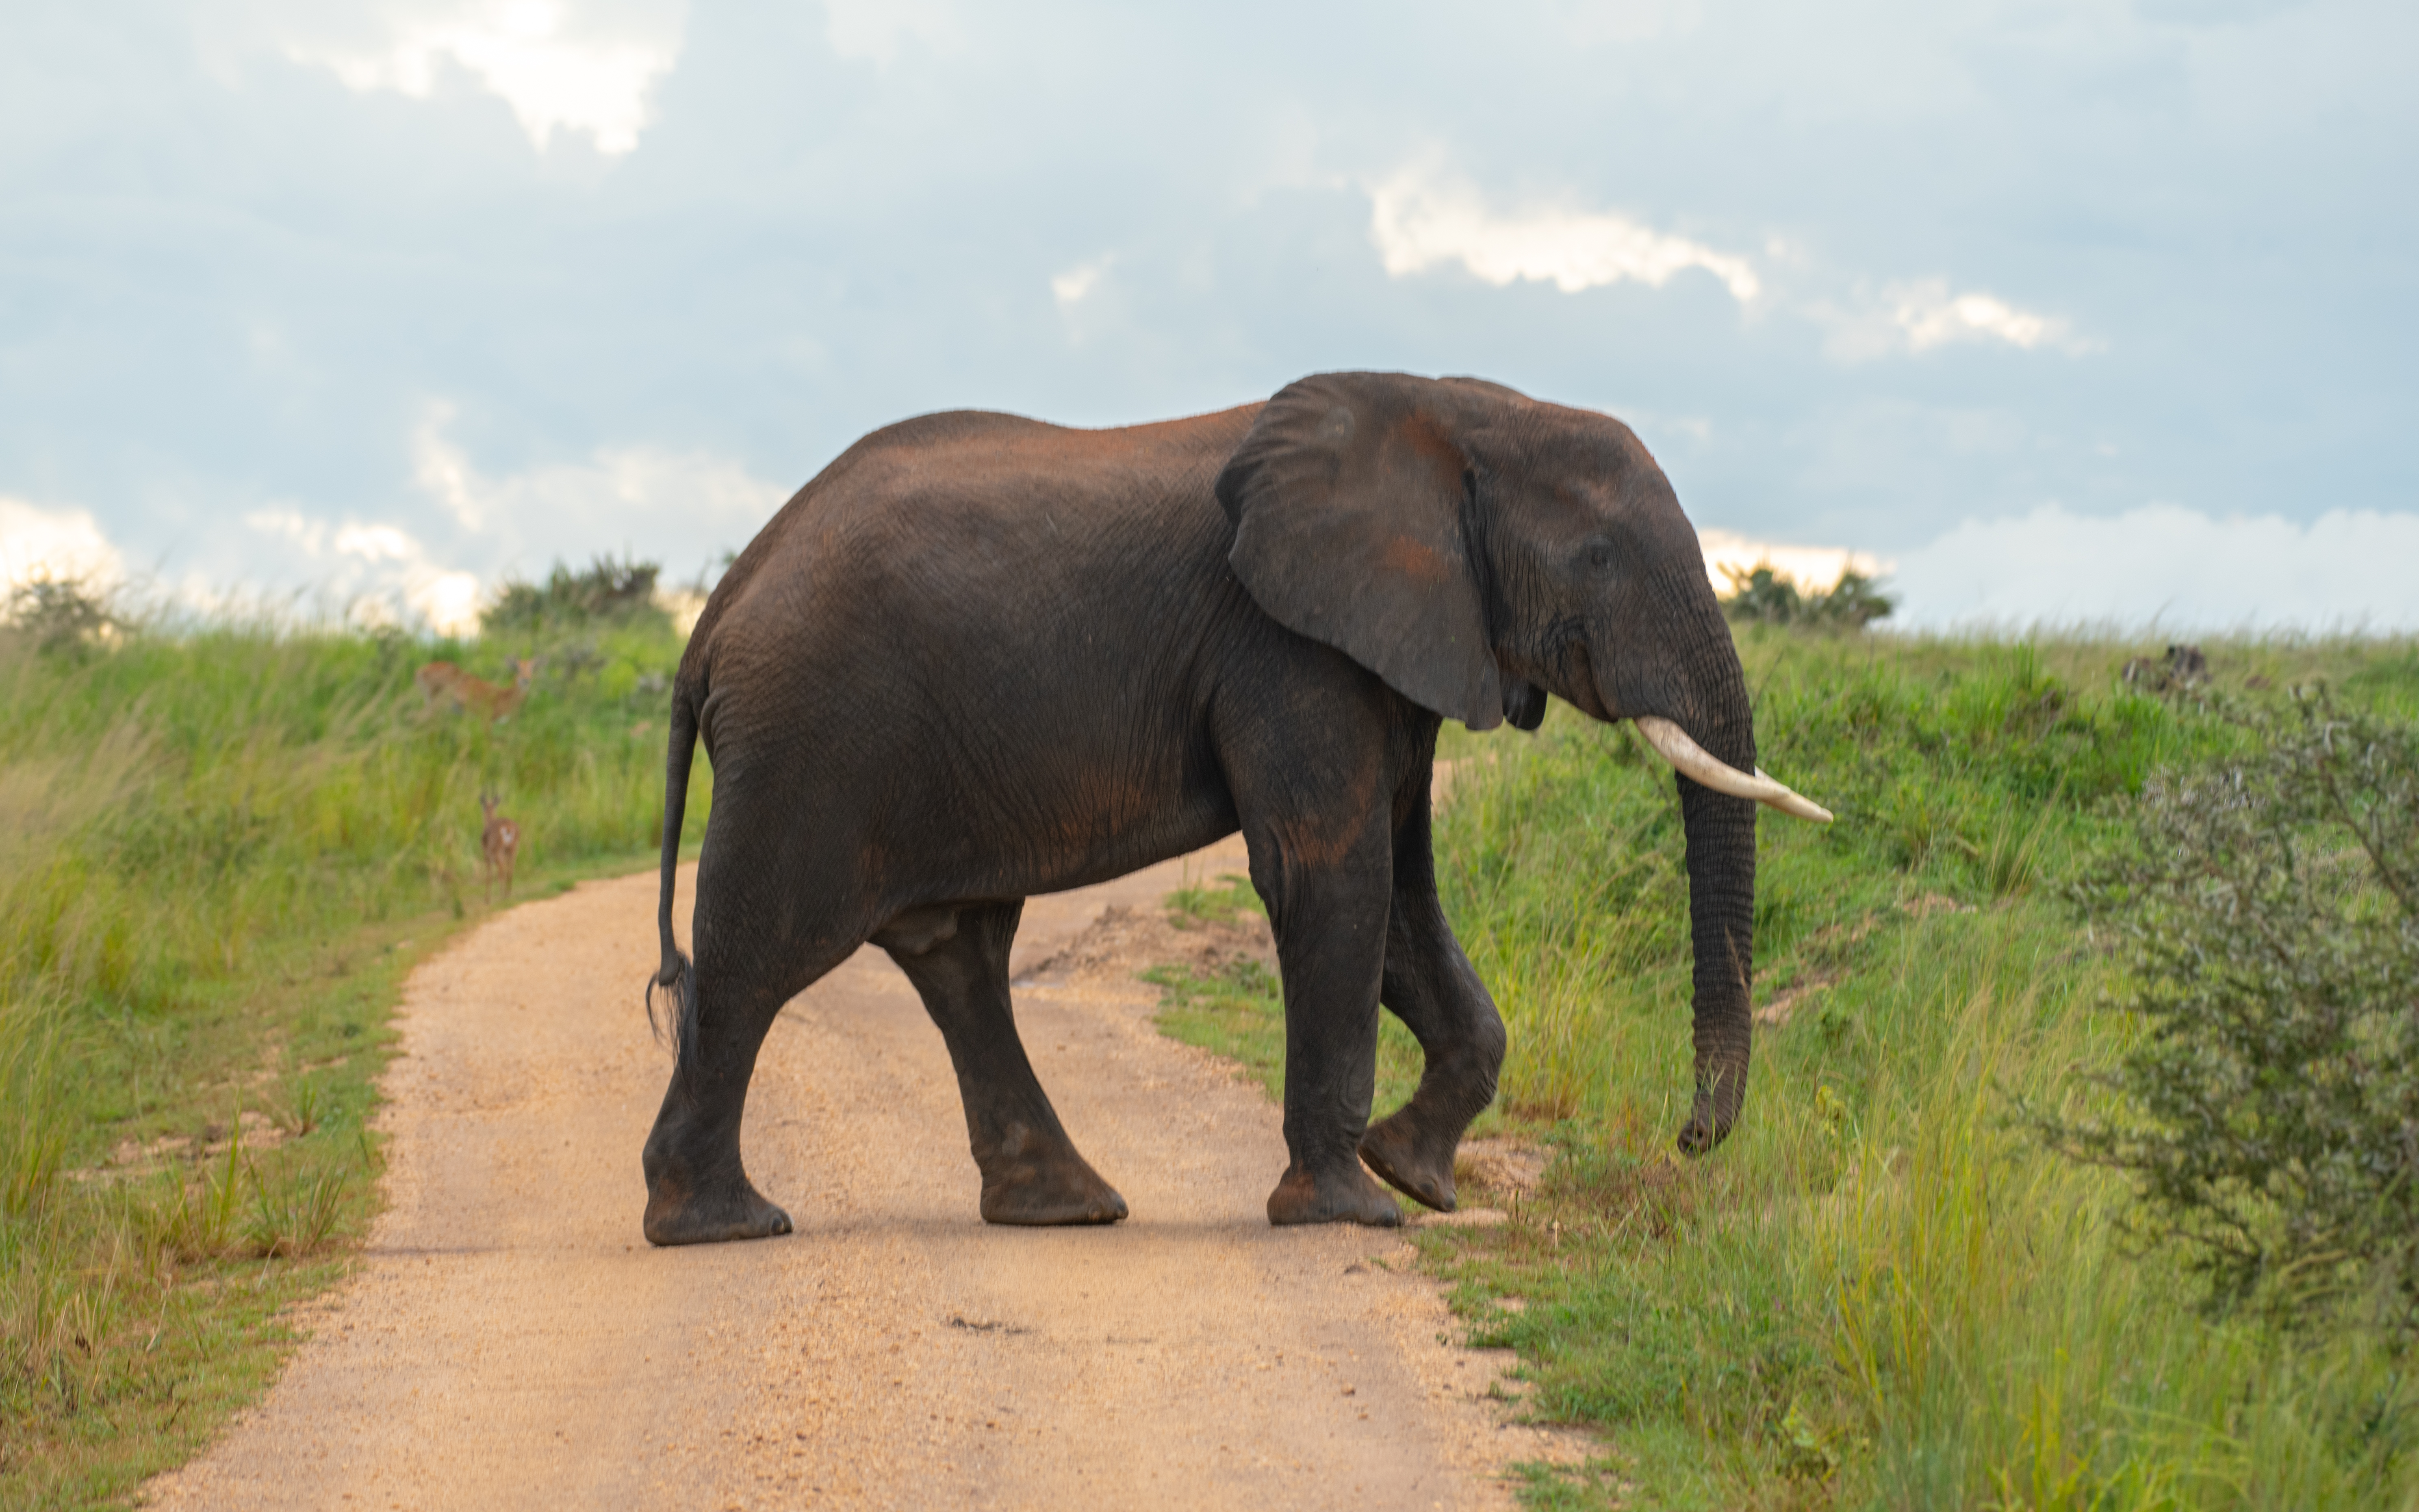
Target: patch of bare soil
509,1340
1128,938
1502,1167
1933,903
1783,1007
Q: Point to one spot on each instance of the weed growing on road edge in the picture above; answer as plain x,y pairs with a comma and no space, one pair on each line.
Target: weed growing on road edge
1228,900
1883,1291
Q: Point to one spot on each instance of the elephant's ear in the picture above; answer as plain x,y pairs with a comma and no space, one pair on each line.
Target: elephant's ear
1347,498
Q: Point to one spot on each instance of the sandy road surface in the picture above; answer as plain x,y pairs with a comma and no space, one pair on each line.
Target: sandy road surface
509,1339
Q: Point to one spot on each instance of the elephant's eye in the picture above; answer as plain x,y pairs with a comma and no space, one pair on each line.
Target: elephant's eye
1599,557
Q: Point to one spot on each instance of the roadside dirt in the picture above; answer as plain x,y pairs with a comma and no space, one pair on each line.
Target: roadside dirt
509,1340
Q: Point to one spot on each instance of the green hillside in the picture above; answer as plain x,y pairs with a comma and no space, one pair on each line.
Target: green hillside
1884,1291
222,848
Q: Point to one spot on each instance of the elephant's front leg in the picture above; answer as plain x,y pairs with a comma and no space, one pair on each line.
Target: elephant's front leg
1430,985
957,957
1329,913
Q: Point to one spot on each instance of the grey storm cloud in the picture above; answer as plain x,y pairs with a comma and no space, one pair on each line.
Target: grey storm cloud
409,295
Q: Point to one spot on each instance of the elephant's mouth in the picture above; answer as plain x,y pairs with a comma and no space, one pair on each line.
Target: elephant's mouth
1584,695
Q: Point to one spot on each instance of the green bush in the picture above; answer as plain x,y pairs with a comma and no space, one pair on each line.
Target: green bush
59,614
2267,915
605,592
1762,595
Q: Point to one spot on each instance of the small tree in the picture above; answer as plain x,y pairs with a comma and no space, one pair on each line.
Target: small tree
1762,595
1853,602
2268,914
606,590
59,614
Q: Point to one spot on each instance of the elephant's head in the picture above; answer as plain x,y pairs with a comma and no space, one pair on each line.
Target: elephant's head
1479,550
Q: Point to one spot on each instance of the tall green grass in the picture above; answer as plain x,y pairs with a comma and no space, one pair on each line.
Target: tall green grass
221,848
1883,1291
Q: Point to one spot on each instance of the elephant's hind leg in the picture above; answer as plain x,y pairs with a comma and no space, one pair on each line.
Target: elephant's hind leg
756,948
697,1192
1031,1173
1430,985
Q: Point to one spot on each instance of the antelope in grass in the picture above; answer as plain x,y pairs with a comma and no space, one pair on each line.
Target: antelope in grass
498,842
446,681
443,680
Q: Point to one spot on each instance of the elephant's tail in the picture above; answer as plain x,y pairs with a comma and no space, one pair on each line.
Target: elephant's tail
677,976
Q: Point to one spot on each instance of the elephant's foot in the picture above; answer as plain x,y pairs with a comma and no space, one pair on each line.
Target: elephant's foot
1341,1197
1041,1186
677,1215
1413,1158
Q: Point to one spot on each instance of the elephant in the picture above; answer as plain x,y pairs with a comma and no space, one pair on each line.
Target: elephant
980,658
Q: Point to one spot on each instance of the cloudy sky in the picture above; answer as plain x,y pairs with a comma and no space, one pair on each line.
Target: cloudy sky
2055,310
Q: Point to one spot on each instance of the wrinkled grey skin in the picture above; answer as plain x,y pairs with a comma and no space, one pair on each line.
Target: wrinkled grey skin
979,658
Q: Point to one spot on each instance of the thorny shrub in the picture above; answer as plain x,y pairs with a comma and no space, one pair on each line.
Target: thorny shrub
2268,921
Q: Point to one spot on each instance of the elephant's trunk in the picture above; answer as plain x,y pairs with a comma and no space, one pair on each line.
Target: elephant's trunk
1721,920
1704,690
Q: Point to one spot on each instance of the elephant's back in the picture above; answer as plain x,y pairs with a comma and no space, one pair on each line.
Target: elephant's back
902,492
1007,462
951,540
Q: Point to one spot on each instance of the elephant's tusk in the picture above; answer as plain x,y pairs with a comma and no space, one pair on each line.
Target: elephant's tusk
1698,764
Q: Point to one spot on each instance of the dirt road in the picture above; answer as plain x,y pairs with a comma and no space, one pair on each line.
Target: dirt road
509,1339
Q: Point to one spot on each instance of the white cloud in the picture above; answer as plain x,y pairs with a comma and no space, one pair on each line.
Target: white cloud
2347,569
681,507
309,535
875,31
377,543
1917,317
449,601
53,543
559,64
392,579
442,471
623,498
1070,287
1815,569
1420,220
